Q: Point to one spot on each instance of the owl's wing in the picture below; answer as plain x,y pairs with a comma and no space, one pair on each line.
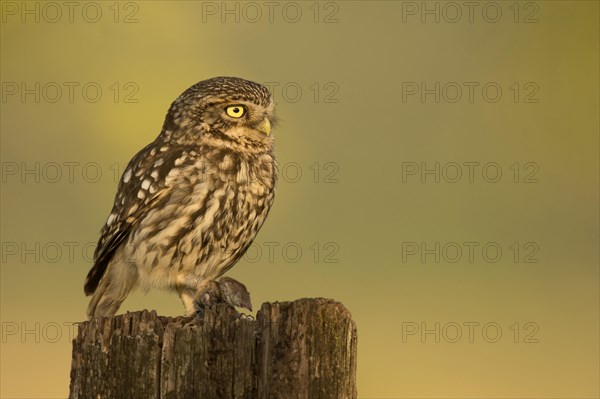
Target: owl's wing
144,184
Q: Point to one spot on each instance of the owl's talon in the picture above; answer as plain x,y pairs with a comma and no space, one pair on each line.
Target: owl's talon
199,313
244,316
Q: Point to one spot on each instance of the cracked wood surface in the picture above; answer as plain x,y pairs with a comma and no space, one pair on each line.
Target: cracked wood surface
305,349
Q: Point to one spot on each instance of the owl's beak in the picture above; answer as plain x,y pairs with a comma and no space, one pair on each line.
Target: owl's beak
265,126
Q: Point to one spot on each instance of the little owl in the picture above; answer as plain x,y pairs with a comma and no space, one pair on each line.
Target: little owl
190,203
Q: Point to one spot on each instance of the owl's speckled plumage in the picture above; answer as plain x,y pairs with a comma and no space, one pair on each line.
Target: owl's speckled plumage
190,203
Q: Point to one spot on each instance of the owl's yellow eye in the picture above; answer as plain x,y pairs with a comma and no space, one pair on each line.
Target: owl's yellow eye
235,111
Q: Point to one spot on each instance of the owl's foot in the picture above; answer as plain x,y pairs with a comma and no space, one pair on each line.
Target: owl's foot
208,296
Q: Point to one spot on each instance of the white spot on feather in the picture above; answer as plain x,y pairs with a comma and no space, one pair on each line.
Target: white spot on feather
180,160
132,209
110,219
127,176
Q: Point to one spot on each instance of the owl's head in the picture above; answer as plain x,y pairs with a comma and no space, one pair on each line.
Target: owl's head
226,108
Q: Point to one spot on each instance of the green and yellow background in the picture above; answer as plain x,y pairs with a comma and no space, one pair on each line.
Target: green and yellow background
359,133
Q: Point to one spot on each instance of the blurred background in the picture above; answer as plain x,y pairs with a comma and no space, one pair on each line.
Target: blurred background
439,176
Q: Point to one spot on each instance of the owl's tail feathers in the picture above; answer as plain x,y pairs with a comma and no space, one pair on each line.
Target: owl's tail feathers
93,278
114,287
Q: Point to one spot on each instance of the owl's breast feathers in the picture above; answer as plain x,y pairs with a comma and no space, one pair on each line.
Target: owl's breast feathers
182,205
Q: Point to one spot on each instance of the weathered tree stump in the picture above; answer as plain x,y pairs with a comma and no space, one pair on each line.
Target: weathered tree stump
294,350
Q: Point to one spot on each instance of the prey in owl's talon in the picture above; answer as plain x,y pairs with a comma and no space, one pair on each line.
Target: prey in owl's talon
227,290
235,293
